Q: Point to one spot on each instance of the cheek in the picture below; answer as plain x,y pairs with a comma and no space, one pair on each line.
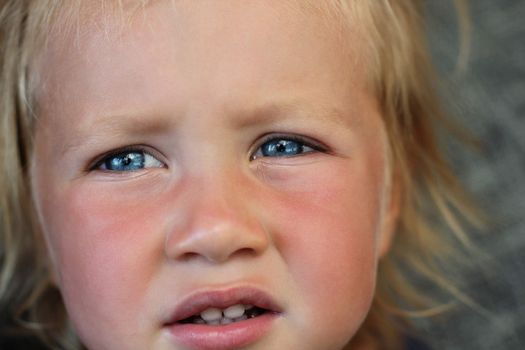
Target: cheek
327,227
106,249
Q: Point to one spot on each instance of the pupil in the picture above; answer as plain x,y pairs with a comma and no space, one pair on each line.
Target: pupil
281,147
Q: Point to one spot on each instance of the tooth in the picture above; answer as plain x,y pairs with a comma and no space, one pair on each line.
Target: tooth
226,320
214,322
211,314
234,311
242,318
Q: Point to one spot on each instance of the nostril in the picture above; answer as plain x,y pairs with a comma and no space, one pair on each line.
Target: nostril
188,256
240,253
245,252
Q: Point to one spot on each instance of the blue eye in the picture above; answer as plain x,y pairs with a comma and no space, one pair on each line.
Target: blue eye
283,147
132,160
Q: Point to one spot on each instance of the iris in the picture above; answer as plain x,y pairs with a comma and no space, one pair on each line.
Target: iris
130,160
125,161
282,148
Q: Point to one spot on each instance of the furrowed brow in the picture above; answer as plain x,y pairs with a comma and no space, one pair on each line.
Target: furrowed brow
115,125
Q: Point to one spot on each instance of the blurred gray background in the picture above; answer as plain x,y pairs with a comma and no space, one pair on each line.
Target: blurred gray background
489,99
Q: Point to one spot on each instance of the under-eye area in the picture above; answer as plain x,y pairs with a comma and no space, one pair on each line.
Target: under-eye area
232,314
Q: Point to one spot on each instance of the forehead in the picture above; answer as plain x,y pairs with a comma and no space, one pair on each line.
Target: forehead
148,53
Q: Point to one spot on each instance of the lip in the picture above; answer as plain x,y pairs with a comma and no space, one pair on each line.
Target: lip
222,337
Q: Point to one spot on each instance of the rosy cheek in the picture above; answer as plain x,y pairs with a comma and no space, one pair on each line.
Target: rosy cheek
106,249
325,225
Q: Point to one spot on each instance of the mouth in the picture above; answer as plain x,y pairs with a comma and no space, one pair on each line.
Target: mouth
215,308
223,319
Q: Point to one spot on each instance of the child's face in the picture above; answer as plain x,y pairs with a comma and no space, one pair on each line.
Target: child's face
218,153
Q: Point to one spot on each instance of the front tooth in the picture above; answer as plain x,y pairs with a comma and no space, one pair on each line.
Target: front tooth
234,311
211,314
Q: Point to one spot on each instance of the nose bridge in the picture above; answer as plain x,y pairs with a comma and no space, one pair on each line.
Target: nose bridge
217,221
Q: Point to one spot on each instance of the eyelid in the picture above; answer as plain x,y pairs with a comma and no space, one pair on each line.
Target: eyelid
97,162
306,140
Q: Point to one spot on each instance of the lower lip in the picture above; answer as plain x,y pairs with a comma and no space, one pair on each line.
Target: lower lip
222,337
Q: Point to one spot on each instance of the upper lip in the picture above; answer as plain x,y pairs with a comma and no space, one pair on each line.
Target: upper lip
199,301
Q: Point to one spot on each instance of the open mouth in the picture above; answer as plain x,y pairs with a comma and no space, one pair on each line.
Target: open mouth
214,316
223,307
222,319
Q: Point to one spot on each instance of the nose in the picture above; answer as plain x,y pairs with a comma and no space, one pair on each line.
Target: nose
216,224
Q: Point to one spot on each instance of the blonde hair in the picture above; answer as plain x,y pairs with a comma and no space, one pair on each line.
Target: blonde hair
433,201
405,84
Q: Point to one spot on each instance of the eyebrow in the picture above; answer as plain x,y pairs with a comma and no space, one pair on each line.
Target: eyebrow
262,115
119,124
272,112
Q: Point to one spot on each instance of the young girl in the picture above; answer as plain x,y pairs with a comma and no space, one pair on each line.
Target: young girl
219,174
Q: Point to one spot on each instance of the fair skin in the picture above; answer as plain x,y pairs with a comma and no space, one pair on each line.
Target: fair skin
206,89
